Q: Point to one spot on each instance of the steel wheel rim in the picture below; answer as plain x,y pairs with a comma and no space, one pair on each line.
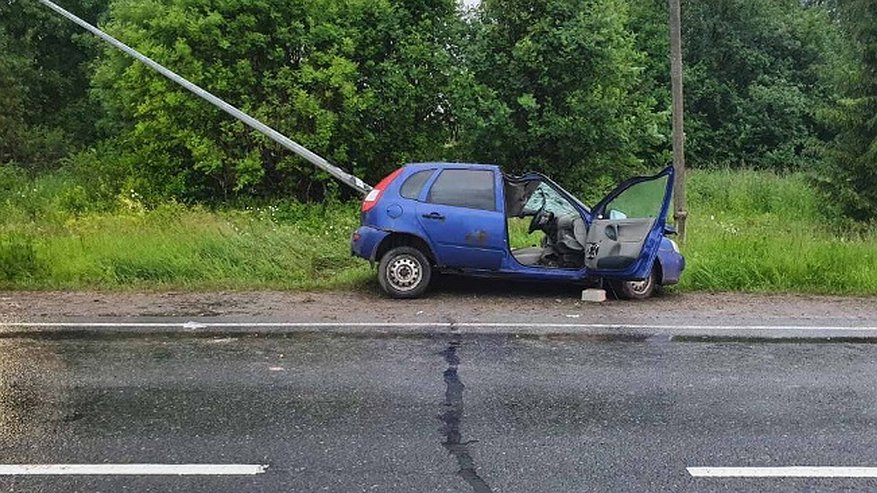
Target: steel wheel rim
404,273
640,287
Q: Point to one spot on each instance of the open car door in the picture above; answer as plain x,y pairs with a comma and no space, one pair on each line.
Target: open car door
627,227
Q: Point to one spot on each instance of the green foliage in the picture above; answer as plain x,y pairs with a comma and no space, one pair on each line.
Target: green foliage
749,230
578,89
850,174
750,193
755,83
361,82
557,91
18,260
287,245
44,84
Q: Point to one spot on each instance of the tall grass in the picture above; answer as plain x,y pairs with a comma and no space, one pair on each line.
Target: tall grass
748,231
181,248
45,243
762,232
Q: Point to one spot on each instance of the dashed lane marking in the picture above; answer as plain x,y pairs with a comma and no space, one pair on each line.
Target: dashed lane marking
783,472
132,469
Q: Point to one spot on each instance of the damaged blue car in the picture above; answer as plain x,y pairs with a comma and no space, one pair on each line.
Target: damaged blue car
452,217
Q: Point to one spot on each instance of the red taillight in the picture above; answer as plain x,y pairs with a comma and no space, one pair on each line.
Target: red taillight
372,198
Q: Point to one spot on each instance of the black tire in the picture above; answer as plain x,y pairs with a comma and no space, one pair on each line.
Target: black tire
404,272
636,290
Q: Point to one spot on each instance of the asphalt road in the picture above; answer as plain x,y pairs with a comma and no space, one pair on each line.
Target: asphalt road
445,412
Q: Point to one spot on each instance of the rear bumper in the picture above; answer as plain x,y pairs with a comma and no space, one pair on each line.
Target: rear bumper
365,241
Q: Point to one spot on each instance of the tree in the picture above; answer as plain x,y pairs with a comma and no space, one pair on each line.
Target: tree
44,84
558,91
754,81
362,82
850,175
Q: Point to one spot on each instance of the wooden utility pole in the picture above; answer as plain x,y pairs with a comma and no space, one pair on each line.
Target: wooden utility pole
679,211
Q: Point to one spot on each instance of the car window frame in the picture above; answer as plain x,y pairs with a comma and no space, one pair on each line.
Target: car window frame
436,176
425,186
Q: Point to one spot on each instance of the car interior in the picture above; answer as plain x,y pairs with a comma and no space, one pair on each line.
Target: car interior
613,242
564,231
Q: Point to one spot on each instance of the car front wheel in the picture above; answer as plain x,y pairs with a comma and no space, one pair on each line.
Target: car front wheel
404,272
636,290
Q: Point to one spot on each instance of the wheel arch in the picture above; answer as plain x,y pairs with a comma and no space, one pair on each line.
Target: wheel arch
395,239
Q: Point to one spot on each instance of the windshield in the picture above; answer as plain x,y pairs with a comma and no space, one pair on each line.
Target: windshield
548,198
524,196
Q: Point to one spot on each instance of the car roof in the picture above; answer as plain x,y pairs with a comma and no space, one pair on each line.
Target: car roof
442,165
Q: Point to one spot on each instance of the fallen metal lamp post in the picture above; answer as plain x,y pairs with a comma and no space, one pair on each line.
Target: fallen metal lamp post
318,161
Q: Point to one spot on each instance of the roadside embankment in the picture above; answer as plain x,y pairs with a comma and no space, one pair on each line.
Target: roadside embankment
748,232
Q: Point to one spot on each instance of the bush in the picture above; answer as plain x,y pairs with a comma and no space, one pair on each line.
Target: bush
363,83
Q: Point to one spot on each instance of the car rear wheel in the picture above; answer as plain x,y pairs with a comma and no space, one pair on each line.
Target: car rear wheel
404,272
636,290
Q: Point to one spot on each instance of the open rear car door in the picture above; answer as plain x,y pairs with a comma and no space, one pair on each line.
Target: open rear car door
627,227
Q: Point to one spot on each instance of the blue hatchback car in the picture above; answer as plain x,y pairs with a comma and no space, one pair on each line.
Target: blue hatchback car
456,217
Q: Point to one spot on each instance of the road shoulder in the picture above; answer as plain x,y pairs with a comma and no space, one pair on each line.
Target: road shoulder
538,312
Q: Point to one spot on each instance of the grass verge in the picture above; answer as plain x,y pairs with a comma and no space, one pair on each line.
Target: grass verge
175,247
748,231
760,232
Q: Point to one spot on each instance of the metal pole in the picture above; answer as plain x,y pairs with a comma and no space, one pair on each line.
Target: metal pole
318,161
680,213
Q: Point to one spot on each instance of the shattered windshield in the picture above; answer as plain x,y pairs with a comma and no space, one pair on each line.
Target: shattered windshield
525,195
547,197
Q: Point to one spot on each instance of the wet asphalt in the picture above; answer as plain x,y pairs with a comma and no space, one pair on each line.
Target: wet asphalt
482,413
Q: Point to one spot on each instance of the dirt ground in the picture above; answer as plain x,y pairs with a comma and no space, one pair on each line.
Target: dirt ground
457,301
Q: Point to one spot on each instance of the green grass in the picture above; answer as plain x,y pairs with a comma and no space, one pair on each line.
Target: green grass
174,247
760,232
518,236
748,231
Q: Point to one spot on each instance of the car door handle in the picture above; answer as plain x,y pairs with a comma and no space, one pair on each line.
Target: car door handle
434,215
611,232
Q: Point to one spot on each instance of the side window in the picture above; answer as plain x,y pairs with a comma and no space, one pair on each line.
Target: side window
642,200
464,188
414,183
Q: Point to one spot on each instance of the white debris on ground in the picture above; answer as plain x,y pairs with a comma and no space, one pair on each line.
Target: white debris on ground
594,295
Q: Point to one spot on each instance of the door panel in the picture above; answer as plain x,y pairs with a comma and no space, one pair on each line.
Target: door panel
464,238
624,236
462,220
617,243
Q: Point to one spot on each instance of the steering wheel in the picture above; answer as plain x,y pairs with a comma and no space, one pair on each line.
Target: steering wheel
541,217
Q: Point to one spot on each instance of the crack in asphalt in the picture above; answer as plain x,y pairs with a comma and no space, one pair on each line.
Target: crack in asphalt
452,419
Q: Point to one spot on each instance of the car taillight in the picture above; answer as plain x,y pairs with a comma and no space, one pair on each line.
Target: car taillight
372,198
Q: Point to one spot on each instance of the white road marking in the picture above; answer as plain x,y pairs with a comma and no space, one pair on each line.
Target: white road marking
783,472
207,325
132,469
